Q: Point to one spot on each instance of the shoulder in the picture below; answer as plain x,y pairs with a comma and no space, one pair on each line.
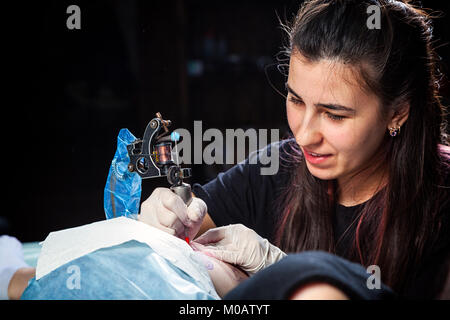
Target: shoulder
273,160
284,150
281,146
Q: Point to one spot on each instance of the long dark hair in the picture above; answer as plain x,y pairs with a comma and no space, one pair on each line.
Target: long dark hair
399,225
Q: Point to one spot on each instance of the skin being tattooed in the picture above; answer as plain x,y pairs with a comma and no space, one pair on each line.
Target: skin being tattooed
223,275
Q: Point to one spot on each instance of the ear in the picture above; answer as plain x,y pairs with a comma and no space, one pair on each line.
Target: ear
399,116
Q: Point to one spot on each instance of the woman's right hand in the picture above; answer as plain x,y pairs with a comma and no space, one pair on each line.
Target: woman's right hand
166,211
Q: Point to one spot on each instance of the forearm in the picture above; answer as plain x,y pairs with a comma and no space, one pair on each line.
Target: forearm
207,223
19,282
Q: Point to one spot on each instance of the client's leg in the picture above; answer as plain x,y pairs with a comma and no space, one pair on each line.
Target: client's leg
19,282
310,275
318,291
14,272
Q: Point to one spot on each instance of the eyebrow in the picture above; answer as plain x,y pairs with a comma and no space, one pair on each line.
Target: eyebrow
331,106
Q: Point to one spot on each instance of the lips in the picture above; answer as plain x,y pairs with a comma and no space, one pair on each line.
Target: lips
317,154
315,157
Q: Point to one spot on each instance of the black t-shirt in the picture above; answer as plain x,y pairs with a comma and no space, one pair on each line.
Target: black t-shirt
243,195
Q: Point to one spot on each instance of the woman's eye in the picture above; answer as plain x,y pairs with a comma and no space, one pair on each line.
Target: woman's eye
295,101
329,115
334,117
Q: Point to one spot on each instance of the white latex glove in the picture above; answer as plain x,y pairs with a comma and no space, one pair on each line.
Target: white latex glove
166,211
241,246
11,259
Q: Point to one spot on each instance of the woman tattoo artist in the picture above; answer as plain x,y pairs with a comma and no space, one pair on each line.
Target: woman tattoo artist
363,181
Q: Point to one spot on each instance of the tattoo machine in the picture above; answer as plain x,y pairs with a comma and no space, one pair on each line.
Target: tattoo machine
151,157
137,159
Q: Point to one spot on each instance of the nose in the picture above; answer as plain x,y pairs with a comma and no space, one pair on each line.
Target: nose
309,132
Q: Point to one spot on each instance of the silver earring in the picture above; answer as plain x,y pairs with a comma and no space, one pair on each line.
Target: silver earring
394,131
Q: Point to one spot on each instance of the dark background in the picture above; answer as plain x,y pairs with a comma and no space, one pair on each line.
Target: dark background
69,92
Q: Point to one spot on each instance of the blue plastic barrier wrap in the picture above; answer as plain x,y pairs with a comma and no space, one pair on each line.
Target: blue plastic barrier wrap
122,193
130,271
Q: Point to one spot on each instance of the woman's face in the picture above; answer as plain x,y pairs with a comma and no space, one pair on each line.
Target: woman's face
330,114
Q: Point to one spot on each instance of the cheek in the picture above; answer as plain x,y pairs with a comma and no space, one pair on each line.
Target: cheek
294,119
354,145
343,141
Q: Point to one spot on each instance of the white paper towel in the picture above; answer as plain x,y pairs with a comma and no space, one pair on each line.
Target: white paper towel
63,246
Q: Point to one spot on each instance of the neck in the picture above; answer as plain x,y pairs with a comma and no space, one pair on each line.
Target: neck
361,187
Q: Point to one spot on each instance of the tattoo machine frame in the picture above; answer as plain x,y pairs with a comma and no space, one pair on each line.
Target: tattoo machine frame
151,157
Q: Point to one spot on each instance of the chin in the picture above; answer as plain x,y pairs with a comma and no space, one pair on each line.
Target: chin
323,174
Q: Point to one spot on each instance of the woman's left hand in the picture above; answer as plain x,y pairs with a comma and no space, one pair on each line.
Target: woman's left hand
241,246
